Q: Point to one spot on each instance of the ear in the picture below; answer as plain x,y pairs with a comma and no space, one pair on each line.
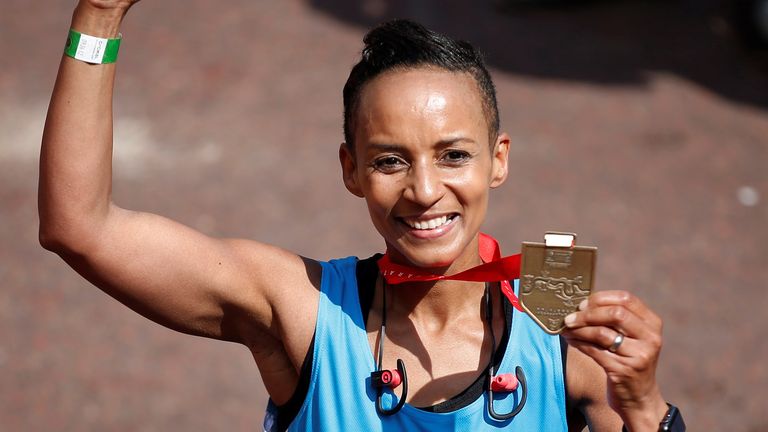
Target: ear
500,157
349,170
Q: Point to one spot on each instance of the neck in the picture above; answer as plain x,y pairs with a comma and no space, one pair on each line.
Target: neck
436,302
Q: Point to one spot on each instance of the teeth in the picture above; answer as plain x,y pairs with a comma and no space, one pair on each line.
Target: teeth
428,224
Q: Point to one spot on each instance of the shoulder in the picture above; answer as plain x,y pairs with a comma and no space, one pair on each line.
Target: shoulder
299,294
283,279
273,287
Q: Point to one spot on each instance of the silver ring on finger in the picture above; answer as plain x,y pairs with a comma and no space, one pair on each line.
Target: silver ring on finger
617,341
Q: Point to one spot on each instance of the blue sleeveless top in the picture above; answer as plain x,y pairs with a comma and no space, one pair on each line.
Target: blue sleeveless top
341,398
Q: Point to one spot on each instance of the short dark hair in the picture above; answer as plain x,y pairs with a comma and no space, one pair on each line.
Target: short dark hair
402,44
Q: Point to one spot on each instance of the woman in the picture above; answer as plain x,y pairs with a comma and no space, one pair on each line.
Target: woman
423,148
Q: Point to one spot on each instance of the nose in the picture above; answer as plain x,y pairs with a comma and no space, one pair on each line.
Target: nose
425,184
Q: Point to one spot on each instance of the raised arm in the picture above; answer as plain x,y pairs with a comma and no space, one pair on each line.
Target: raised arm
226,289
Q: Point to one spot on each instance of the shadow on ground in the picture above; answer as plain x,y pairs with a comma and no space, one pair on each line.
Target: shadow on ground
599,42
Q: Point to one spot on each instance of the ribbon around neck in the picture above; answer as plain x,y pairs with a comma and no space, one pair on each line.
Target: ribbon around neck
494,269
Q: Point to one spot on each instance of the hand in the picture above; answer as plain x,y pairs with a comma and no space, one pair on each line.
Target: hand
100,18
631,369
118,6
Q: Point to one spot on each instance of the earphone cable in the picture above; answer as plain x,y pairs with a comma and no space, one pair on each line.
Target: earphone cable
382,333
489,319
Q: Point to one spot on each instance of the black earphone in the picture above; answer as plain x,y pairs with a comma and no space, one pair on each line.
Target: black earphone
388,378
393,378
498,381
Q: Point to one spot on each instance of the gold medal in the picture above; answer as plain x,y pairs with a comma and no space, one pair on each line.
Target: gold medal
555,276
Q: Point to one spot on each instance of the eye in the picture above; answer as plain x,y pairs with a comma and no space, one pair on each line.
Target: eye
456,157
388,164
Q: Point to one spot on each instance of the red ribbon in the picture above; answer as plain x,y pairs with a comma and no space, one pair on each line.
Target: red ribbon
494,269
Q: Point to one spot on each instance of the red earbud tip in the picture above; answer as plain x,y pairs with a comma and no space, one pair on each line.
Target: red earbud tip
386,377
396,379
504,383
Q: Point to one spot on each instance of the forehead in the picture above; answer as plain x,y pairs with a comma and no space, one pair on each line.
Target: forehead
419,104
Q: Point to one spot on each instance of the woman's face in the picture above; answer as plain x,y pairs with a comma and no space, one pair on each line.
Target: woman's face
424,164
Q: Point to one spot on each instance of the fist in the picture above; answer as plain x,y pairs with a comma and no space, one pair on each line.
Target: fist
107,6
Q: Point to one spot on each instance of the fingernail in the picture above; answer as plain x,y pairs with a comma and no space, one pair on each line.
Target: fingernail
583,304
570,319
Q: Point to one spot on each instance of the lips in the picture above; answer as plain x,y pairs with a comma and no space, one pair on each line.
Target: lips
428,224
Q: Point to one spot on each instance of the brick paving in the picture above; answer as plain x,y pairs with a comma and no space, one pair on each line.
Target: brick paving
643,126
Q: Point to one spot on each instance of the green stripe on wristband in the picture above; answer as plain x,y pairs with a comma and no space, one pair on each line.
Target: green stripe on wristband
91,49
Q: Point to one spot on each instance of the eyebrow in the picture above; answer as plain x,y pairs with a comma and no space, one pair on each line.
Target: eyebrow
449,141
385,147
440,144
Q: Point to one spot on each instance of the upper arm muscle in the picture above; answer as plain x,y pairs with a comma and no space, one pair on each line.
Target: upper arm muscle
184,279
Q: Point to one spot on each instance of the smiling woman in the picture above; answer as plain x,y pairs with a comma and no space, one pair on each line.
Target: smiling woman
422,155
423,149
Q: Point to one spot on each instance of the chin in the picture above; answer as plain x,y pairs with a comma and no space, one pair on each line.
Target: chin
436,249
434,258
432,263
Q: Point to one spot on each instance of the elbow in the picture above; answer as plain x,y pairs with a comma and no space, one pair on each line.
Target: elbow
53,227
68,232
49,240
61,239
47,234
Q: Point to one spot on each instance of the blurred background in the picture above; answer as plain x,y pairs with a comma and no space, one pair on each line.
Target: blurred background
640,125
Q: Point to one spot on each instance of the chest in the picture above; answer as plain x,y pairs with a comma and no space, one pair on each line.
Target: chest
440,364
341,396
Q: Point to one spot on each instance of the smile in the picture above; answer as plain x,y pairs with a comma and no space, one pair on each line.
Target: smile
428,224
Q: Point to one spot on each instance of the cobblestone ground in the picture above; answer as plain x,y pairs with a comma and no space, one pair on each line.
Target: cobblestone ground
643,126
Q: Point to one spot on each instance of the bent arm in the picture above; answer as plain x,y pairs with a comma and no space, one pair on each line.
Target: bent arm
621,379
586,384
166,271
76,154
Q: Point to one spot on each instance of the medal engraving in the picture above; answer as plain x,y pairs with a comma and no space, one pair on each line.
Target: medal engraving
554,280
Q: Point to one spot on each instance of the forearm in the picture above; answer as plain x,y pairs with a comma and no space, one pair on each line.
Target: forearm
76,154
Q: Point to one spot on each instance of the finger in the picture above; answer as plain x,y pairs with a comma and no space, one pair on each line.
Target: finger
631,355
596,344
626,299
610,362
618,317
638,352
601,337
